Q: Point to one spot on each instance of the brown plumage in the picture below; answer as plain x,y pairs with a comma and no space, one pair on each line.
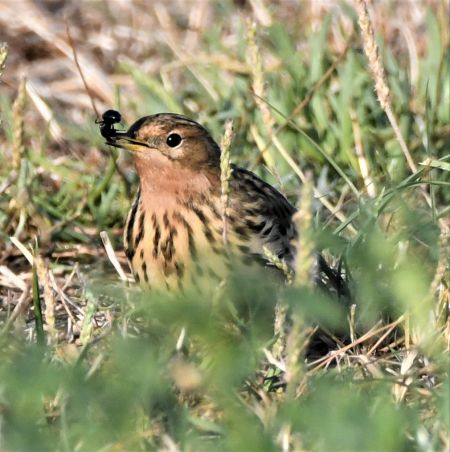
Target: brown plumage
174,229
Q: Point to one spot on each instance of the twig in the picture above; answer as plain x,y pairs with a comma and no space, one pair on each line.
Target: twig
321,362
75,57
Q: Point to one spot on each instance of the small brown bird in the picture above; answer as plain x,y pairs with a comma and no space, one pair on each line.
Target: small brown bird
174,228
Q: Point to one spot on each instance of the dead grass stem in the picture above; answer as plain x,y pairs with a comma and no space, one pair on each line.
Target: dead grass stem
225,176
381,86
18,149
304,261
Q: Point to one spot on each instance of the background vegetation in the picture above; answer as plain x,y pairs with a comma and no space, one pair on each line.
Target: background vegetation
91,363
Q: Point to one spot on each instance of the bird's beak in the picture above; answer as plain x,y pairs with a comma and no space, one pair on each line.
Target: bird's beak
123,141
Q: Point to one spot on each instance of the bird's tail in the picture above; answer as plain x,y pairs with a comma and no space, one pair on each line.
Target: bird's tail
333,279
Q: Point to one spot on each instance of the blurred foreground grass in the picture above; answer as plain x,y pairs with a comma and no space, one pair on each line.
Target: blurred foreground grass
109,367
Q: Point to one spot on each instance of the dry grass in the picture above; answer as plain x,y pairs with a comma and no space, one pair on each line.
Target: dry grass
225,175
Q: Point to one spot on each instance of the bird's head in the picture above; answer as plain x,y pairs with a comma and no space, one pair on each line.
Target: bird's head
169,140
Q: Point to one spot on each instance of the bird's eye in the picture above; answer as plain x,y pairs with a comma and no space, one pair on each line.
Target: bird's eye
173,140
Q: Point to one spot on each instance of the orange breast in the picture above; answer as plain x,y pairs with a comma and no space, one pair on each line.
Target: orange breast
170,248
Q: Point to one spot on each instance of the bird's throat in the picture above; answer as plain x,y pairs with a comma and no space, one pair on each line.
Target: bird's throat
164,183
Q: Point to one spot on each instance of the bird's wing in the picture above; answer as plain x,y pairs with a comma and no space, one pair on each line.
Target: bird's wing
261,216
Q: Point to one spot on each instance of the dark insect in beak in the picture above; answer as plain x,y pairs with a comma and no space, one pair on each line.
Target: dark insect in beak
109,119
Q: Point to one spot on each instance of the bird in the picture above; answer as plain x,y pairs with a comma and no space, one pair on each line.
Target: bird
173,234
